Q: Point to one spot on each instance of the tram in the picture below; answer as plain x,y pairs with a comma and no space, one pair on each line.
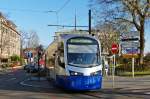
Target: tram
77,62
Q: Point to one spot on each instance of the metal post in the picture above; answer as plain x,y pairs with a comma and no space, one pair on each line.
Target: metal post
133,67
75,21
132,61
46,69
89,21
39,65
114,62
45,61
21,53
30,65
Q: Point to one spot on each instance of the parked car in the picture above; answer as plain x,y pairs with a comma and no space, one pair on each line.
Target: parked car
31,68
26,67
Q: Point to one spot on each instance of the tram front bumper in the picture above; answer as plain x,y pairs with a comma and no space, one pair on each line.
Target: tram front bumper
80,82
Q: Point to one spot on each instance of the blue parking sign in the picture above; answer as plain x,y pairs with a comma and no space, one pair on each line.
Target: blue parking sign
29,54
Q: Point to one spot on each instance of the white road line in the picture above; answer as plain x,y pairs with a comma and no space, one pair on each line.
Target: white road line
11,79
148,93
30,85
24,84
10,74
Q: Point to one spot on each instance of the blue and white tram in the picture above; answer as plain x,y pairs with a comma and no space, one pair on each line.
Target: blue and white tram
78,63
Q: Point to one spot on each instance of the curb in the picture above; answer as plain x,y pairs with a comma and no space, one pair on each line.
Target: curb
10,68
18,67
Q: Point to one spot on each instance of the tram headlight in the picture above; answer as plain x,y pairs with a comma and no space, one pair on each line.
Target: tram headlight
74,73
96,73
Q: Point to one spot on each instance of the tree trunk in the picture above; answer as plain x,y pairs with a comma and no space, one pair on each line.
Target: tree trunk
142,41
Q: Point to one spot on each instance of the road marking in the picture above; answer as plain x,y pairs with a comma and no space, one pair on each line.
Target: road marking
30,85
11,74
148,93
11,79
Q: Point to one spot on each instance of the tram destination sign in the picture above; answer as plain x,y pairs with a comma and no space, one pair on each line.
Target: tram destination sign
82,40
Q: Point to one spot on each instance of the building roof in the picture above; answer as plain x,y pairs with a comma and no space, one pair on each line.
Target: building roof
9,23
2,16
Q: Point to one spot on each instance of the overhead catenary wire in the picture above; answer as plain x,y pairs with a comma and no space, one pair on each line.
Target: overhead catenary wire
44,11
35,11
63,6
25,10
67,25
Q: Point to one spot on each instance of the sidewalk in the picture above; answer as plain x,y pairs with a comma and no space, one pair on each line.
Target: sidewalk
127,82
37,82
9,69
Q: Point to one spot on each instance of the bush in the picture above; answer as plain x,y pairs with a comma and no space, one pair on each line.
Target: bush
135,73
121,69
5,65
15,58
22,61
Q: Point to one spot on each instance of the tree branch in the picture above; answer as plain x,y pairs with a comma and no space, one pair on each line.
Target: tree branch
125,20
135,22
132,6
147,8
148,14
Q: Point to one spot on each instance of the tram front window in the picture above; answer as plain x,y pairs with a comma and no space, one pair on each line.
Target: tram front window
83,55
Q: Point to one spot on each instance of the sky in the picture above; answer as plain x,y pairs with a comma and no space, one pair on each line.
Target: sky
32,15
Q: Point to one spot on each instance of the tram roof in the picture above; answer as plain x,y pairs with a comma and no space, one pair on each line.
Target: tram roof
67,36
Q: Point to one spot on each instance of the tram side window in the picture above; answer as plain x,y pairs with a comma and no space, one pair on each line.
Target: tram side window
61,56
61,61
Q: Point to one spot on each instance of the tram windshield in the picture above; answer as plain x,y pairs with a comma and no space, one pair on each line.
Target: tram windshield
83,52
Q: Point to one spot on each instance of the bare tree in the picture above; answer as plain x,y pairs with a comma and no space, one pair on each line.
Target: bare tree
133,13
33,40
107,34
24,37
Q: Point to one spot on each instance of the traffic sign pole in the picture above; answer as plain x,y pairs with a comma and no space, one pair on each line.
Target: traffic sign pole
133,67
114,62
114,50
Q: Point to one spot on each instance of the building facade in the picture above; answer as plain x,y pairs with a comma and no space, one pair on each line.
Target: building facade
9,39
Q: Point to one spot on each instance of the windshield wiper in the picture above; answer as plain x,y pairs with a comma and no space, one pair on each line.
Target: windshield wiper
83,66
94,65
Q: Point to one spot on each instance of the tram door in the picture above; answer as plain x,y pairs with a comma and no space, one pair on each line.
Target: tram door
60,64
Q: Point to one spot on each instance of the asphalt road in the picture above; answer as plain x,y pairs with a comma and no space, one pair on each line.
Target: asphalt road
10,88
